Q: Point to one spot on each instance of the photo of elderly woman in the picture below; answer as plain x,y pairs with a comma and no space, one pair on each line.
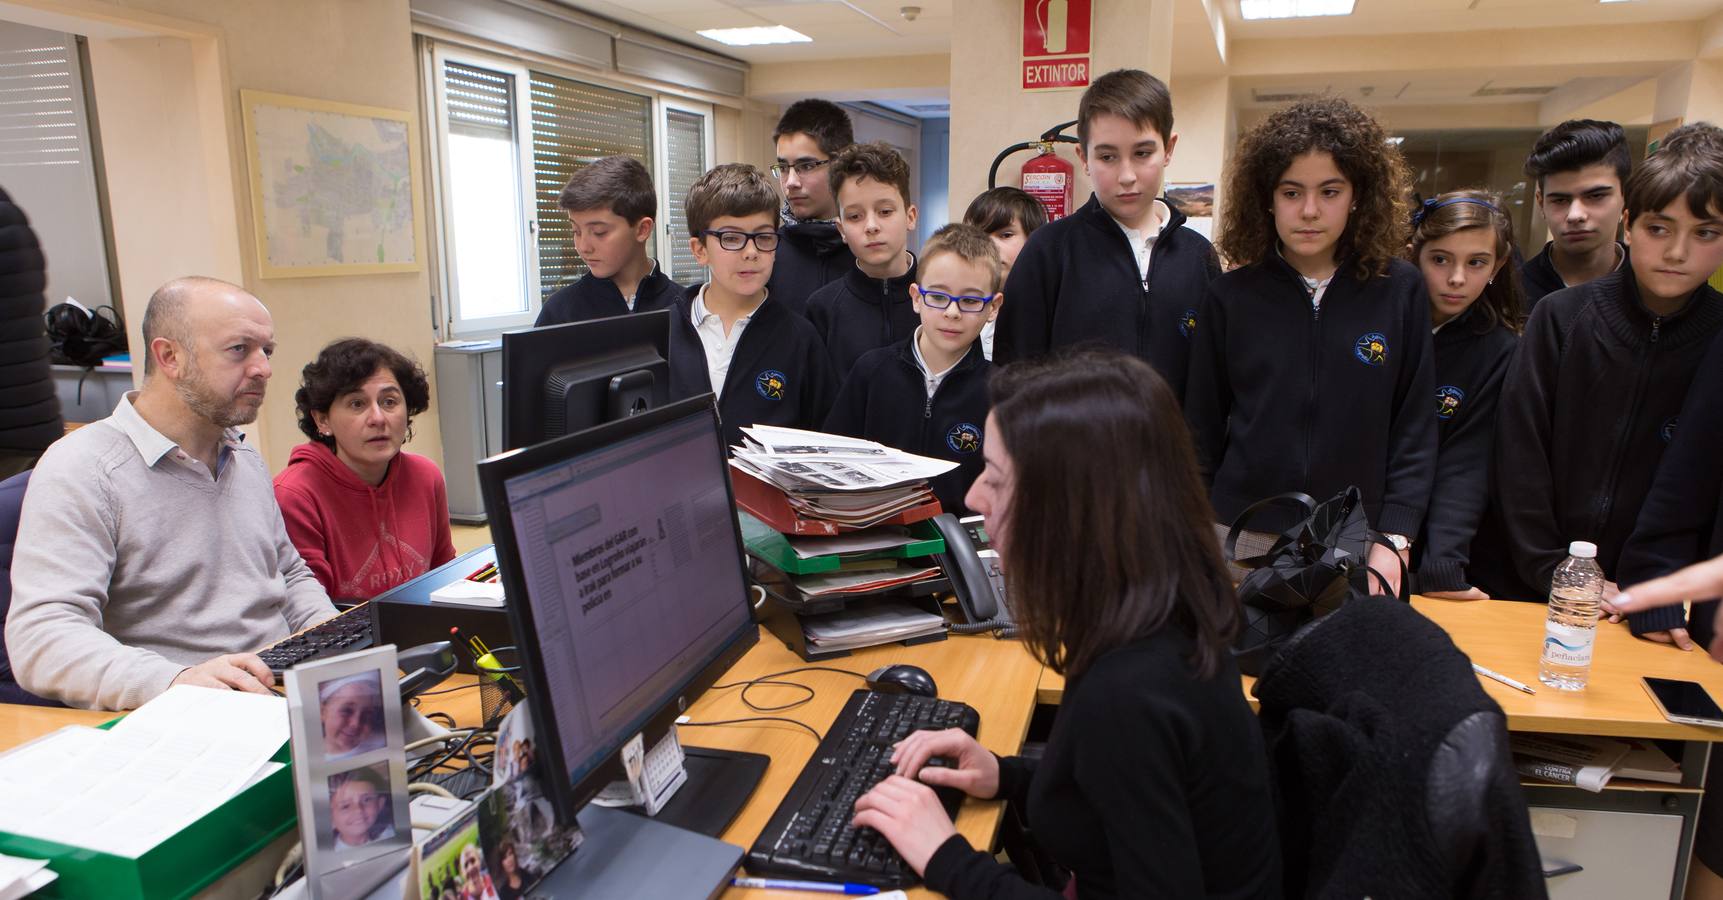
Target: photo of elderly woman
351,709
360,809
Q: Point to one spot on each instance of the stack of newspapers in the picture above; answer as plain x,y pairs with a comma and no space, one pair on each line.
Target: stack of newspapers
848,482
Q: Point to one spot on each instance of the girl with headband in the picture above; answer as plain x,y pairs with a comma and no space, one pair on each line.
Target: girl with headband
1461,242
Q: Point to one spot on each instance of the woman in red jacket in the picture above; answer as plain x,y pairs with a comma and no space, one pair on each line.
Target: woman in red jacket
365,515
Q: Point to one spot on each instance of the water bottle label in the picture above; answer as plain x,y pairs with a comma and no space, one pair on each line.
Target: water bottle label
1568,645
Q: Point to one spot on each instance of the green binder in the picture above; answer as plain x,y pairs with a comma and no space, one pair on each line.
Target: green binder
766,544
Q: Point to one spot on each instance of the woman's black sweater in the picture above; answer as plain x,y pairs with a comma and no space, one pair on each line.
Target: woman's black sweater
1154,784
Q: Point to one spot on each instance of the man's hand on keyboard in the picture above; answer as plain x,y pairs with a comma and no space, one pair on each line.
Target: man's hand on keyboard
974,771
235,671
909,814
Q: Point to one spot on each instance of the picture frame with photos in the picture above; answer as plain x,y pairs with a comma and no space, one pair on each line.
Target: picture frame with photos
349,771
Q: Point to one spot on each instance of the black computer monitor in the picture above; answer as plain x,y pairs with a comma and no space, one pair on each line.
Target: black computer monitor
561,379
621,556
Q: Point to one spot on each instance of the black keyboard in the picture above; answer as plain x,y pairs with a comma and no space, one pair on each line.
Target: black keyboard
349,631
810,835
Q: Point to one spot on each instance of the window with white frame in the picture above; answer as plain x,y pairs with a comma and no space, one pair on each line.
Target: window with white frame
508,138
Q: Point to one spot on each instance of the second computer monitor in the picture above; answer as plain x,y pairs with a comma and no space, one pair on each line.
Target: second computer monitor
560,379
622,559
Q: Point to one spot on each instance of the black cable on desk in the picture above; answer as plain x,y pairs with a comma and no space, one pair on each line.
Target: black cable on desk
767,680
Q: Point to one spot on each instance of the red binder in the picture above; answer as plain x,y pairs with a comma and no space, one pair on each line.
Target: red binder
768,504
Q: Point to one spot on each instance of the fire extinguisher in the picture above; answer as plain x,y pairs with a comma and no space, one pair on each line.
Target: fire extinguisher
1050,180
1047,178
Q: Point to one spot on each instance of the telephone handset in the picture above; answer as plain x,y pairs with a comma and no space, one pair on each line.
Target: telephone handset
973,569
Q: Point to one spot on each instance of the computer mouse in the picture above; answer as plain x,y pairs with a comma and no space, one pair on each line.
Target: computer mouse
902,679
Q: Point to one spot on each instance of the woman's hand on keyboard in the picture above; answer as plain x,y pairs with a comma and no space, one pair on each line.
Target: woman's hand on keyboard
909,815
971,769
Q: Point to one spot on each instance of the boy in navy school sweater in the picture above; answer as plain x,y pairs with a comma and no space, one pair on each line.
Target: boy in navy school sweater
610,204
1121,271
927,394
869,306
1594,392
1681,522
728,336
812,254
1579,168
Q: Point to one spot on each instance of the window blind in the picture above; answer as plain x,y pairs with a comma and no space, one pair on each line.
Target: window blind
38,107
685,152
574,123
479,101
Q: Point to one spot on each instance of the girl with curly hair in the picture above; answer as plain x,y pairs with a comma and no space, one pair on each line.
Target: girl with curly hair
1312,368
1461,242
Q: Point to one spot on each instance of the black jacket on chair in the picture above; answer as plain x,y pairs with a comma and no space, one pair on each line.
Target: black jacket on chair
1391,764
29,408
810,256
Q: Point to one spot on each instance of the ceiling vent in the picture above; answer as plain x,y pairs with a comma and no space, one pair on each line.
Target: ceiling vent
1532,91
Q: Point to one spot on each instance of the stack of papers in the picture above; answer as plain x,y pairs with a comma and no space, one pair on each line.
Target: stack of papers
1590,762
23,877
864,579
843,480
125,790
852,544
867,625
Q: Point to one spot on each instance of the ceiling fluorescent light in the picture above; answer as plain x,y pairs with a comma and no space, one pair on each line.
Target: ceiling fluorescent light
1293,9
748,37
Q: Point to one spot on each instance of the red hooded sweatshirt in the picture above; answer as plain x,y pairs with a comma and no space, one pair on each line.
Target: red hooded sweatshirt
361,540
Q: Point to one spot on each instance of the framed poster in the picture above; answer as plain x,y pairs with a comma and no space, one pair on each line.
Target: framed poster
333,187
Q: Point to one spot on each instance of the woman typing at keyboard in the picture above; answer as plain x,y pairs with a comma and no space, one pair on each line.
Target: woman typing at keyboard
1154,782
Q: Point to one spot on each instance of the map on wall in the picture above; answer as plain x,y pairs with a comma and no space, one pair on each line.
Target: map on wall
331,186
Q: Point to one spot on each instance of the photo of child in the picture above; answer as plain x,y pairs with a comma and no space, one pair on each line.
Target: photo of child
361,810
517,814
351,710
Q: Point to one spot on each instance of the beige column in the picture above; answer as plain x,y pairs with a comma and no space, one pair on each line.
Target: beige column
989,108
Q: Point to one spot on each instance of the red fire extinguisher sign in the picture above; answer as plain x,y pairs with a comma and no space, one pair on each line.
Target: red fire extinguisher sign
1056,44
1050,180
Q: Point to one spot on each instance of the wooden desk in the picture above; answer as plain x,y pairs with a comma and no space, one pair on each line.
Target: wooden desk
1508,637
997,677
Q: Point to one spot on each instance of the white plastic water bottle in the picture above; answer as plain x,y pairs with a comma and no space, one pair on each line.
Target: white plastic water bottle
1576,596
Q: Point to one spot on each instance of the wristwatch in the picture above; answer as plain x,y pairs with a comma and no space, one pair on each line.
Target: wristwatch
1401,542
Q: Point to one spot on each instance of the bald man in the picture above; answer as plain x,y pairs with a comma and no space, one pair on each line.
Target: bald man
151,551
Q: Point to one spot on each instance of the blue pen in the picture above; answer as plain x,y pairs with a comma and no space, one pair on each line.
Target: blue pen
827,887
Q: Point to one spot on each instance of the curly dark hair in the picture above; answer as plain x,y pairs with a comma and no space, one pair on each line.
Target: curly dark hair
345,365
1375,231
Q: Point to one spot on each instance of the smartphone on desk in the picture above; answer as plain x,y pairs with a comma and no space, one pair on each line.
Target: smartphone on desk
1686,702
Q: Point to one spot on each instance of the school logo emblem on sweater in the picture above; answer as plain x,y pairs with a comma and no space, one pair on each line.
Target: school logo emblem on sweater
771,384
1668,429
1371,349
963,438
1188,323
1448,399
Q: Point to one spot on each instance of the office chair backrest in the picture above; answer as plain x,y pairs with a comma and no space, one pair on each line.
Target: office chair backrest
1391,764
11,505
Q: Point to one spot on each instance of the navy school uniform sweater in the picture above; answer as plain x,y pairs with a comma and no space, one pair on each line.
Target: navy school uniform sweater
1681,522
858,313
885,399
1539,277
1076,281
1470,368
810,255
779,375
1590,402
1286,397
591,297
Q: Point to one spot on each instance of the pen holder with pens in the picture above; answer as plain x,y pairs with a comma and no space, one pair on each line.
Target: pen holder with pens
500,687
